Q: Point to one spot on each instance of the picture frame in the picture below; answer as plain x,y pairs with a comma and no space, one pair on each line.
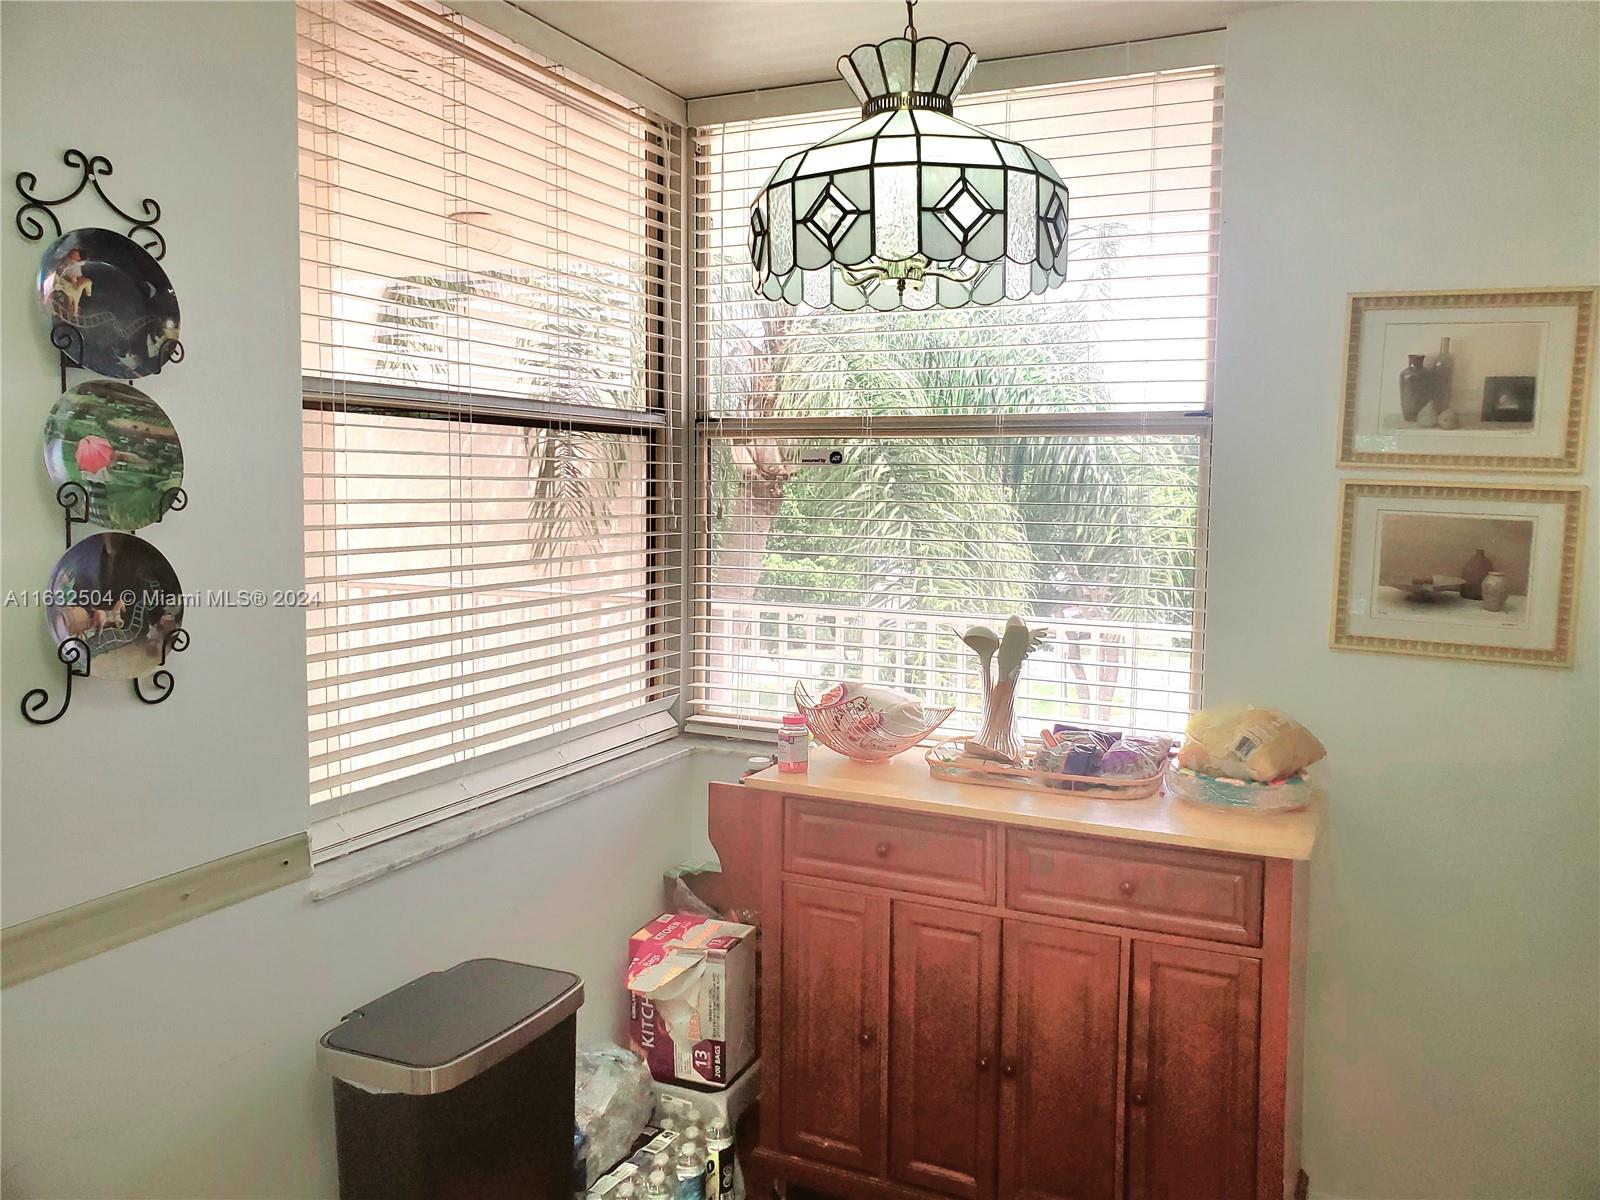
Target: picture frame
1398,588
1515,382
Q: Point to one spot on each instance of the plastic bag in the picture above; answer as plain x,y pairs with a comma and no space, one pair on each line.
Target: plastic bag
1242,742
895,712
613,1103
1135,757
685,885
1070,750
1238,795
698,888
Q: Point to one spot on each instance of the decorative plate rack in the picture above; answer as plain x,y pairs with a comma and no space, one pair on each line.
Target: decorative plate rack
126,345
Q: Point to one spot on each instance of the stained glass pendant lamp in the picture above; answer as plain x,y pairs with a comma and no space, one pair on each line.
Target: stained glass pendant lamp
909,207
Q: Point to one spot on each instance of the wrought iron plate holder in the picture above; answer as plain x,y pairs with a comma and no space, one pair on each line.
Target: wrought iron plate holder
73,497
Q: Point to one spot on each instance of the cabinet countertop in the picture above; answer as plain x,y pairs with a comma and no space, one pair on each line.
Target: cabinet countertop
905,783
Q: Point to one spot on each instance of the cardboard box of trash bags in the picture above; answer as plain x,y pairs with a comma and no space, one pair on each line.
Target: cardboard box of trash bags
692,998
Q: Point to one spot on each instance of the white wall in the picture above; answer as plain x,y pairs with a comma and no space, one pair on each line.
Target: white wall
1456,897
117,792
182,1065
1453,1025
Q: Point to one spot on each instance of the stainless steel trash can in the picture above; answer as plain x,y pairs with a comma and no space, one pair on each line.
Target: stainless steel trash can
458,1085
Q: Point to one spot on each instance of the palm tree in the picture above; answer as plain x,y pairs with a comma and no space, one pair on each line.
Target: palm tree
1050,526
575,475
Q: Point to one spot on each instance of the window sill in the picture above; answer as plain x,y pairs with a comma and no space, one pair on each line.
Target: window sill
336,875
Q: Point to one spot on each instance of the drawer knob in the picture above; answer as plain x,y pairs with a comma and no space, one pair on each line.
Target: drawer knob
866,1037
1126,887
1008,1069
1138,1099
983,1063
883,849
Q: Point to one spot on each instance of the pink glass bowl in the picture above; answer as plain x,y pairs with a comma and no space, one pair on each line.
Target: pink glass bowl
854,727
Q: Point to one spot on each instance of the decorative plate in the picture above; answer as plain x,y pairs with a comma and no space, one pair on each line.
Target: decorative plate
120,597
111,306
117,443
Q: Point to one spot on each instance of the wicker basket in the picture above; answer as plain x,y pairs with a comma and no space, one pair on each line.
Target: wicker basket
949,760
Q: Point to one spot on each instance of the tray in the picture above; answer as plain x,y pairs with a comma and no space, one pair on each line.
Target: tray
1236,795
949,760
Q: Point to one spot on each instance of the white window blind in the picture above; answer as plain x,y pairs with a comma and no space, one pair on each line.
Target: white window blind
1045,457
490,332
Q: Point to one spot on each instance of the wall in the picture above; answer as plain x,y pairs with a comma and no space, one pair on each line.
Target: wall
183,1065
1453,1023
1452,1038
205,126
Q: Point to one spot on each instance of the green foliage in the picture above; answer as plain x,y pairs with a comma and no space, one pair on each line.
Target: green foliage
1100,527
576,475
883,529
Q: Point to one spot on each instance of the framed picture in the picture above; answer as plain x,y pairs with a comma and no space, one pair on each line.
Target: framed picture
1481,381
1486,573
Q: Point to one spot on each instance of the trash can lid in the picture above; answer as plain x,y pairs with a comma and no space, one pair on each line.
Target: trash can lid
440,1030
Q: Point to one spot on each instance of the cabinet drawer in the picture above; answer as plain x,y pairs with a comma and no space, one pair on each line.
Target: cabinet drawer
931,855
1191,892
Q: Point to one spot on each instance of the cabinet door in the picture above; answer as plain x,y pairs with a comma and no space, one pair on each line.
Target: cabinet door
1060,1049
1193,1057
944,994
835,1026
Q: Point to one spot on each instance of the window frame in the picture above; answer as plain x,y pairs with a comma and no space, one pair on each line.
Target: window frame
1180,53
687,431
369,814
340,824
708,430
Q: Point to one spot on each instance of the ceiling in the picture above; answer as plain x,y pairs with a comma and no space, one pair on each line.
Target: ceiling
711,47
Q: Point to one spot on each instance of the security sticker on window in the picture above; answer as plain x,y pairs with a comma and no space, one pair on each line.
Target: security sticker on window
821,457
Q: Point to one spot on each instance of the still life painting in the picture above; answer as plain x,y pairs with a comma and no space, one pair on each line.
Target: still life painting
1458,572
1467,380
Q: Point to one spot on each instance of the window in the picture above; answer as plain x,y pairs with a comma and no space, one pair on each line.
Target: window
488,333
872,479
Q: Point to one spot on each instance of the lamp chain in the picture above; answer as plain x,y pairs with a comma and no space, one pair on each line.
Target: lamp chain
911,21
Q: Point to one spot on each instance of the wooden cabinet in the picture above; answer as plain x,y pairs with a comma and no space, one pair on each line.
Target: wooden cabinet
944,997
952,859
1211,896
1193,1058
976,1009
836,1018
1060,1047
